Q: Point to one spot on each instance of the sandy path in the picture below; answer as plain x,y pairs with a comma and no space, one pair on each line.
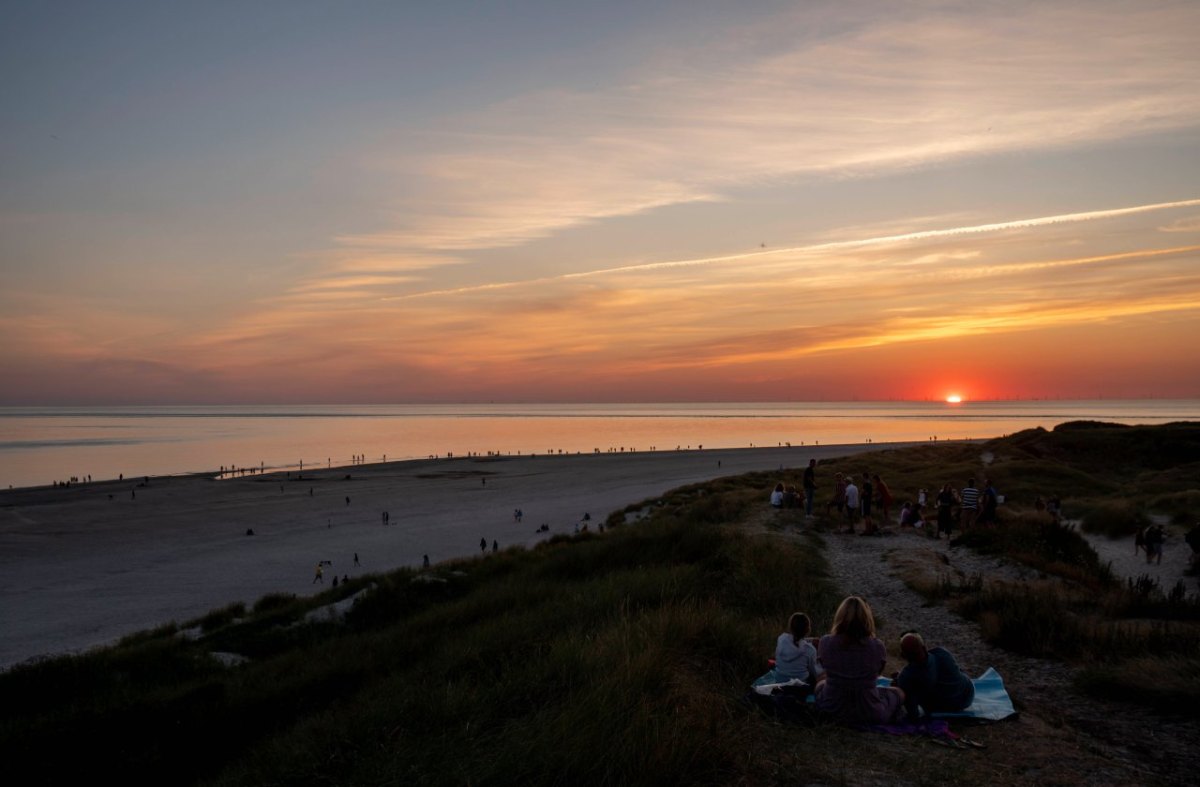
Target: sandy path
1062,736
78,569
1175,560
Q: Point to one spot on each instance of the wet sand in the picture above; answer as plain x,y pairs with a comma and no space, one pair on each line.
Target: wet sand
79,570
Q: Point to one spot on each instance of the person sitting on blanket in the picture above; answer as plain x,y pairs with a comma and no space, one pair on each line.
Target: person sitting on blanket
795,657
932,681
853,658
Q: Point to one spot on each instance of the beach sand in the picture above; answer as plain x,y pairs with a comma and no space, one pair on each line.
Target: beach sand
79,570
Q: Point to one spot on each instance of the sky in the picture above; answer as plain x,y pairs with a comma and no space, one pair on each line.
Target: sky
330,202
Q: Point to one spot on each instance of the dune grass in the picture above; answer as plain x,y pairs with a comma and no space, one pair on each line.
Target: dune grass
1115,519
601,659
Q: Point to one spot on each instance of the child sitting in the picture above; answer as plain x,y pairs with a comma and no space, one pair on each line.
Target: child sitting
795,657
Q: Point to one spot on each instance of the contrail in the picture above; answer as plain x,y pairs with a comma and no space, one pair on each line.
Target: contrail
973,229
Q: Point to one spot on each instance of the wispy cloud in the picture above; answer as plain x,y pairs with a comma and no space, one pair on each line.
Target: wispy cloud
1185,224
892,91
796,253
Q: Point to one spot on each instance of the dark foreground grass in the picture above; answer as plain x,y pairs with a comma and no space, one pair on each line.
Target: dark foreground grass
600,660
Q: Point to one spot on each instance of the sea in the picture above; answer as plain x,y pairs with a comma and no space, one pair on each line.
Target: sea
41,445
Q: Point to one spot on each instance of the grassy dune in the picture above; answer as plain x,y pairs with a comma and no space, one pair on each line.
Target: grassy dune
601,659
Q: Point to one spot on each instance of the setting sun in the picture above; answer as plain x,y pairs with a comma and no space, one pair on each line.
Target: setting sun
953,398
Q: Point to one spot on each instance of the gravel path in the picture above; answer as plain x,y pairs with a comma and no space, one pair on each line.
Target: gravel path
1061,736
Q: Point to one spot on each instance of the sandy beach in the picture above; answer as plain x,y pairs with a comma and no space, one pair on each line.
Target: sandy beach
80,569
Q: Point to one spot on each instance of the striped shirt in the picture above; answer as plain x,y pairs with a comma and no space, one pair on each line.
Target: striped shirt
969,497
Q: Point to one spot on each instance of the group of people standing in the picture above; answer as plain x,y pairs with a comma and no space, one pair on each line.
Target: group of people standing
842,669
966,507
854,502
867,498
851,501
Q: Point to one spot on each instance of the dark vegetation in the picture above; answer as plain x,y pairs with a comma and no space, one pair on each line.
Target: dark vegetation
616,659
610,659
1134,640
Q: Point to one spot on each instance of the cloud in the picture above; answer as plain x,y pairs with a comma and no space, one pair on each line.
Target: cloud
1185,224
792,255
891,91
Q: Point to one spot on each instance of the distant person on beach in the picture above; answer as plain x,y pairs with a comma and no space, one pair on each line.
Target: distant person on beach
945,511
852,503
932,682
810,486
1155,536
839,495
777,496
495,546
989,498
795,657
968,504
347,500
356,559
320,575
483,545
883,496
335,580
425,562
1193,540
852,658
791,498
910,515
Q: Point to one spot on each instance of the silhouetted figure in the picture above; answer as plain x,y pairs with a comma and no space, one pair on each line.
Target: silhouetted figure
249,531
335,580
356,559
483,545
425,562
320,575
495,546
347,500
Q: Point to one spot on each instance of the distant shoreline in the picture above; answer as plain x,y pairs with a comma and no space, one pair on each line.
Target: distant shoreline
39,446
293,473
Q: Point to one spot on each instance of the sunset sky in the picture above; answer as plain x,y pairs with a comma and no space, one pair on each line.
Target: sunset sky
306,202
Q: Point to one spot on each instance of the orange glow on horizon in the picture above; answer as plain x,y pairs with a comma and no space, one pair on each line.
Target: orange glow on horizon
954,399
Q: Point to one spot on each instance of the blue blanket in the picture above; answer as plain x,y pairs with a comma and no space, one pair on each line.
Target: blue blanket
992,702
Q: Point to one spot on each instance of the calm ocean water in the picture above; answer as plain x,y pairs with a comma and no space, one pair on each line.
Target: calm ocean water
41,444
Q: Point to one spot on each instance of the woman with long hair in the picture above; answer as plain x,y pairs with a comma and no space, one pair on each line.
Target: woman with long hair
852,658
